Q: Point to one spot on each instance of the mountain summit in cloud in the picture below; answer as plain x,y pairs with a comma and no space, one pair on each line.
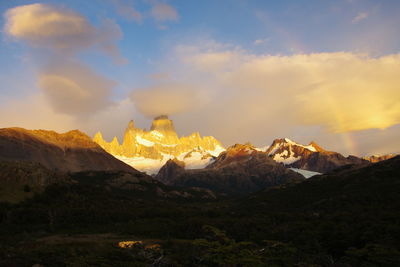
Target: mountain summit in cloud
149,150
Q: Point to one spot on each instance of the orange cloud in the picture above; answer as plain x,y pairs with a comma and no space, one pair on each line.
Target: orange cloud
60,29
168,99
73,88
339,91
70,87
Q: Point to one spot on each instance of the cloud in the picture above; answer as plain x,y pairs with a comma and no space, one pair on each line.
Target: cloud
168,99
360,16
163,12
72,88
256,98
261,41
34,112
126,9
60,29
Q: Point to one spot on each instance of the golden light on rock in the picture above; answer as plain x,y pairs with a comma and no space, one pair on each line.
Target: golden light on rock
161,140
129,244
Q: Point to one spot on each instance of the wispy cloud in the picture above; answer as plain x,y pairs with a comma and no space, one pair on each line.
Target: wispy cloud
163,12
60,29
321,87
127,10
73,88
251,96
360,16
261,41
168,99
70,87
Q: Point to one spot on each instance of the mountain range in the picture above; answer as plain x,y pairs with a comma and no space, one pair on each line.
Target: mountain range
66,201
149,150
189,161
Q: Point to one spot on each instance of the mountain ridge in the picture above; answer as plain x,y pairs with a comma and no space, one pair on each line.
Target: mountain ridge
72,151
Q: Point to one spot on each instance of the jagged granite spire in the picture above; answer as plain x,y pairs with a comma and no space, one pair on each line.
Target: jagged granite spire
162,124
131,127
160,143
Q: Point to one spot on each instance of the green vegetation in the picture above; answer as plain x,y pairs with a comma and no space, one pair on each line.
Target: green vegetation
348,218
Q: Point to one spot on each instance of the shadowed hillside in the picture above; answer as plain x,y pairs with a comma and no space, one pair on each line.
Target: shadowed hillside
346,218
68,152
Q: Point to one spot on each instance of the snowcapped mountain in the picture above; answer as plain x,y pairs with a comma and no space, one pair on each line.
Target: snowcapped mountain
240,169
148,151
308,157
287,151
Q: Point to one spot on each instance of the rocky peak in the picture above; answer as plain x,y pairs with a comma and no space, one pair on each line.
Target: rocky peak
131,125
130,130
285,144
241,149
308,157
115,141
172,168
160,144
234,154
317,147
98,137
378,158
162,124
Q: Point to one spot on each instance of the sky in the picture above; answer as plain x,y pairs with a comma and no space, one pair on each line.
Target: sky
239,70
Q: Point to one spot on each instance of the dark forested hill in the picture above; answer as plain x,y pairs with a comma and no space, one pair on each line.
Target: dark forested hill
347,218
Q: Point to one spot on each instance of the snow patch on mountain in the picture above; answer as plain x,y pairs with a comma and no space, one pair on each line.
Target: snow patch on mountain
262,149
274,149
196,160
218,150
286,157
143,141
157,134
307,174
309,147
149,166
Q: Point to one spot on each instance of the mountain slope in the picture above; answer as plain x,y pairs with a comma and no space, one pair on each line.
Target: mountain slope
350,214
68,152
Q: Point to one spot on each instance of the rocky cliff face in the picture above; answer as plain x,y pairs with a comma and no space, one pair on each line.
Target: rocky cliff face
140,147
240,169
309,157
73,151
